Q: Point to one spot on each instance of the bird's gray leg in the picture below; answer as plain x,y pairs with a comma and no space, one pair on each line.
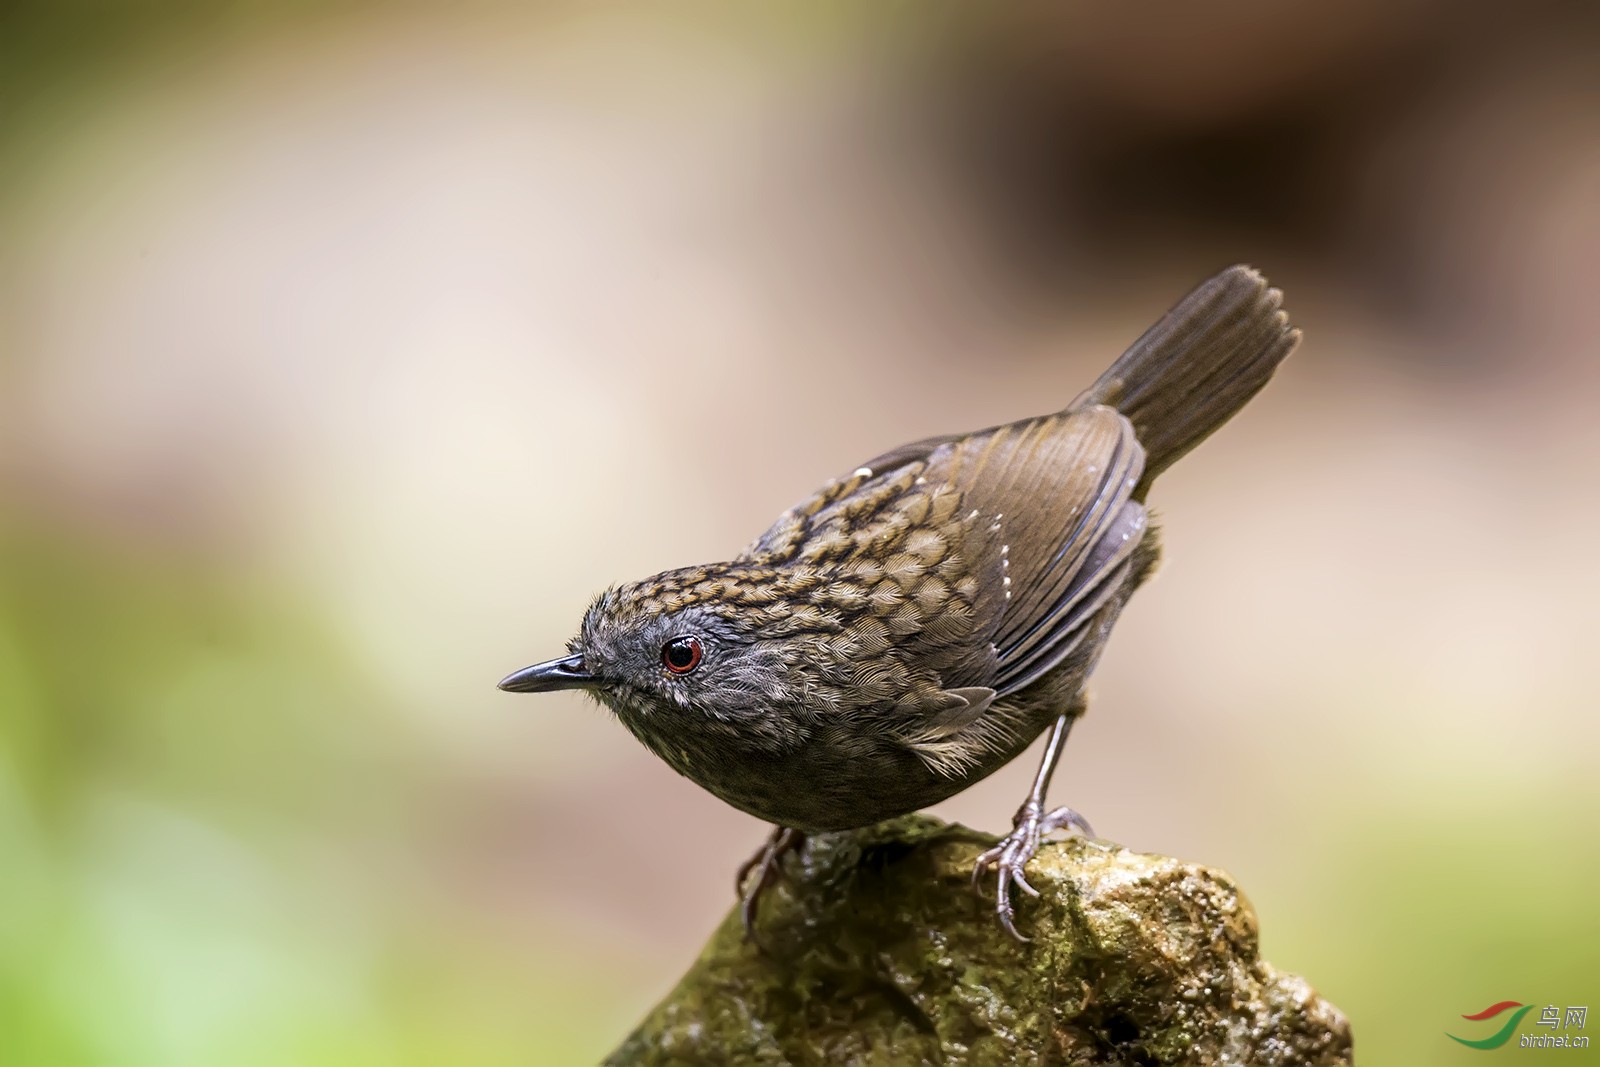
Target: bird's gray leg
767,865
1032,823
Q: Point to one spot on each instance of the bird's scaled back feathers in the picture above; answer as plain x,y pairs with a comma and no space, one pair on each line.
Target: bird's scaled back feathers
990,551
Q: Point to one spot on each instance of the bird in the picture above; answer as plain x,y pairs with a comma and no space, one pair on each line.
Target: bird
917,623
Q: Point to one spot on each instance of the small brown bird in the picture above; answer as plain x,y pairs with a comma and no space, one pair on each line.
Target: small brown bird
912,627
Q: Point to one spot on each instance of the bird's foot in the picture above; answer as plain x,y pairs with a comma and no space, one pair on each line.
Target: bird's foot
1009,858
767,864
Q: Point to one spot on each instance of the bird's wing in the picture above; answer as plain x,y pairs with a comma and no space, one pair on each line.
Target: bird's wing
1052,527
984,554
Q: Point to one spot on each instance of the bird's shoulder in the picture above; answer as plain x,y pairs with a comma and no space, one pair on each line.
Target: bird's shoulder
870,510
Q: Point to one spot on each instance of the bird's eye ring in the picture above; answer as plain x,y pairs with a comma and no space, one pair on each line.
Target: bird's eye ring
682,654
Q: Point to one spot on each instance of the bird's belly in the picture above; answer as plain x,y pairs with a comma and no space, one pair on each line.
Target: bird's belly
818,787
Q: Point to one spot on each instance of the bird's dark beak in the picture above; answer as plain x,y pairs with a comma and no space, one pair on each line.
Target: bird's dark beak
566,673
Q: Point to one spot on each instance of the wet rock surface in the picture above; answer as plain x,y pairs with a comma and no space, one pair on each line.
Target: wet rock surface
874,950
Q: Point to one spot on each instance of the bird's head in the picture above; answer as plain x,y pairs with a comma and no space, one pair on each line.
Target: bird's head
711,646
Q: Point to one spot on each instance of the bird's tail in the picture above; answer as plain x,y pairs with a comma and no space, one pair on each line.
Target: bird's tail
1196,367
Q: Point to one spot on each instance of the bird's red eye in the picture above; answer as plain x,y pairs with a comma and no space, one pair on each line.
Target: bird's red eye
682,654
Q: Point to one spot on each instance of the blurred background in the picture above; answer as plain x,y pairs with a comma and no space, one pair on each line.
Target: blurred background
346,350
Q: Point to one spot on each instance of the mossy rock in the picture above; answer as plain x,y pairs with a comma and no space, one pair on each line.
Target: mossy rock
874,950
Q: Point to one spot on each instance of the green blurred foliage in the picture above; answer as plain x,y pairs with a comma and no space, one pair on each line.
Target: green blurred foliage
202,814
1429,908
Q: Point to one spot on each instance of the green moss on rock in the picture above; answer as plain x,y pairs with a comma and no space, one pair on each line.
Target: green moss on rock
877,952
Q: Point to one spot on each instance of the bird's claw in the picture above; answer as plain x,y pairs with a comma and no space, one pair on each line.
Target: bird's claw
1010,857
767,864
